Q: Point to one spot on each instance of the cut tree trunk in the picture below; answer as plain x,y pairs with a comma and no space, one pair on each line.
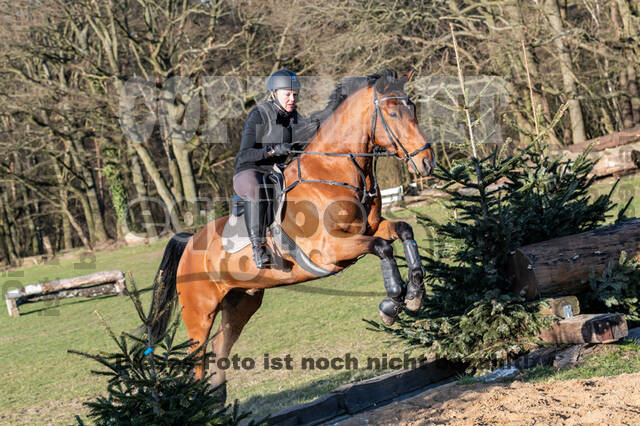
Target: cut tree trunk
598,328
613,140
558,267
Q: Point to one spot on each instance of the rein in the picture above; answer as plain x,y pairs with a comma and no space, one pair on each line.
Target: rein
378,152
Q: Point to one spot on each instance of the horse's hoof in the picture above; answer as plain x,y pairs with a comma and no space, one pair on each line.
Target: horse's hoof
386,319
413,304
389,310
413,298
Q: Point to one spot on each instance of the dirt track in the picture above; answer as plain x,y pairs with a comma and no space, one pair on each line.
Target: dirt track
601,400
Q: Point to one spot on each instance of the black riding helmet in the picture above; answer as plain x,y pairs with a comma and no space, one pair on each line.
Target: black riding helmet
283,79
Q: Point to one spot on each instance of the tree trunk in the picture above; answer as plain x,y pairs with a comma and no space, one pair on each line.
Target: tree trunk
632,88
514,15
625,103
621,17
186,175
627,18
66,187
64,206
560,266
141,189
578,133
8,244
67,239
157,179
82,163
32,236
176,180
76,226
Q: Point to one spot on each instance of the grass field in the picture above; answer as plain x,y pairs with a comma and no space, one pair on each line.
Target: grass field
42,384
606,360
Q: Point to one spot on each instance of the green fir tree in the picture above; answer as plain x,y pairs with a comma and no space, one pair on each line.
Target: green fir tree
501,202
152,382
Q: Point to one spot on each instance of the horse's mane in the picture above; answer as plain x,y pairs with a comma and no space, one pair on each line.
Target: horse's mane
345,88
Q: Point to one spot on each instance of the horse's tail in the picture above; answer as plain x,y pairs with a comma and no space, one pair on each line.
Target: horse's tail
164,285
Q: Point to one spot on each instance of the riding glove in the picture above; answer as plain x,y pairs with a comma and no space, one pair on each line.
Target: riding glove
280,149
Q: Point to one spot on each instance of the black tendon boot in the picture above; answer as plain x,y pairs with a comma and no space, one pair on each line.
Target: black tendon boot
254,217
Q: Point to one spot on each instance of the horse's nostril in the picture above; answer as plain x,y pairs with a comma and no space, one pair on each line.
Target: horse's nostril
427,165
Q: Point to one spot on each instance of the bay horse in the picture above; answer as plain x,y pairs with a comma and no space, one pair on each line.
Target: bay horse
342,220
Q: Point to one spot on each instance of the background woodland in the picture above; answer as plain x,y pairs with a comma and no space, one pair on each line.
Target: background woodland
70,176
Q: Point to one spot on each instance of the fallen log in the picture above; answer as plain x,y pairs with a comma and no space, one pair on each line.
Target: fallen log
558,267
612,140
92,285
598,328
618,153
617,161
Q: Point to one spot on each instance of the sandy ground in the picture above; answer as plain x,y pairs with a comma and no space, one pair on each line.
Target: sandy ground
598,401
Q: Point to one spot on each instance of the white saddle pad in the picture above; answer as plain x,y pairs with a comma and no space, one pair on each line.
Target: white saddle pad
234,235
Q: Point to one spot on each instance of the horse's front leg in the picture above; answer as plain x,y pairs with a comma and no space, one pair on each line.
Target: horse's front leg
389,230
346,246
392,305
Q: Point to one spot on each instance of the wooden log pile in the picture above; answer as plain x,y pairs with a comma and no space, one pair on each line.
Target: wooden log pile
92,285
619,152
559,269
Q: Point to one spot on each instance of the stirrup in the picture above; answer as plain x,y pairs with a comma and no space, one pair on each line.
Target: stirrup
261,257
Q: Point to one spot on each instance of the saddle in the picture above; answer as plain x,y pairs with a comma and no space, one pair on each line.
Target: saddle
235,236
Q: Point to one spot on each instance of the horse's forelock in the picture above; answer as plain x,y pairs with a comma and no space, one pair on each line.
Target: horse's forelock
390,82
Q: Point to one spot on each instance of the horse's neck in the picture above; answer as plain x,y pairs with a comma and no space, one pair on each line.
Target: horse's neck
345,132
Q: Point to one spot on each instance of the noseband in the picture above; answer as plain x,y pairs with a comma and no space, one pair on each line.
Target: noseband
397,145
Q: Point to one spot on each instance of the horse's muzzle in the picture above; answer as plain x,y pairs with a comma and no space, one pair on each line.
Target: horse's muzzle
427,166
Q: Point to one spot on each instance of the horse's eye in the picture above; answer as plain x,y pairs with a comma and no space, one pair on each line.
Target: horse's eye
393,114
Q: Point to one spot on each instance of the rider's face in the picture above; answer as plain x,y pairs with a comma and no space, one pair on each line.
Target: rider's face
287,99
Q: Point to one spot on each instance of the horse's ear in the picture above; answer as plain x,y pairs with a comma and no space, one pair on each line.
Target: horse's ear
383,84
406,77
410,74
389,81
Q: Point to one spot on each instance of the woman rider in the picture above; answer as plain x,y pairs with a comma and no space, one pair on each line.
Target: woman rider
267,139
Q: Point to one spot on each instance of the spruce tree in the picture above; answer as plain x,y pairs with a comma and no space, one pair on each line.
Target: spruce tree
152,381
501,202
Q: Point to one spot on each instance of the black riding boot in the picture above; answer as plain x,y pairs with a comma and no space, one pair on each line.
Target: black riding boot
255,214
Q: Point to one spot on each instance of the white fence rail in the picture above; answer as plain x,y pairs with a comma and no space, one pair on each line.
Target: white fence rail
391,194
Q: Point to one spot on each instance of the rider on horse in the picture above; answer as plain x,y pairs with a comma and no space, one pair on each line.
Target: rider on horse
267,140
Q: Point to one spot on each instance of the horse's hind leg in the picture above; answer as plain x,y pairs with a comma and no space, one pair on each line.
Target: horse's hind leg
200,302
237,308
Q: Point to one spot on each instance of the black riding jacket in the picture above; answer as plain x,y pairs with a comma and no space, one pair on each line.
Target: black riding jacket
266,125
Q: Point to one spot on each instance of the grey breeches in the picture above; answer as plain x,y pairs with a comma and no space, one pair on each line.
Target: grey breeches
246,184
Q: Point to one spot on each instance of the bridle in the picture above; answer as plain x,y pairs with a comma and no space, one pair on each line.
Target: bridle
408,157
378,152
